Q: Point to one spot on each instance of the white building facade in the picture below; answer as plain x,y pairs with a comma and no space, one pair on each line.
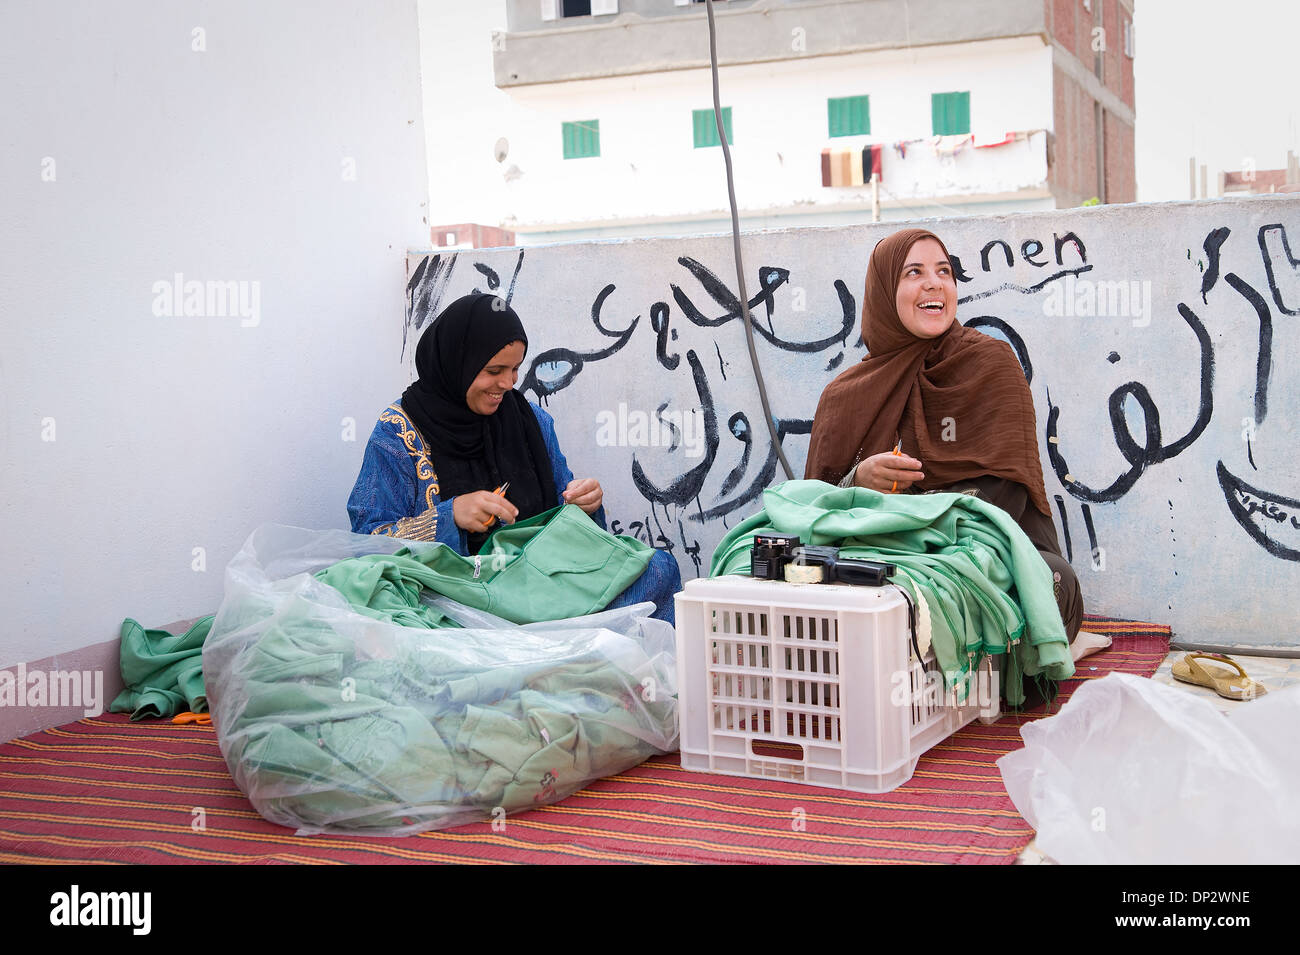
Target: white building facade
602,114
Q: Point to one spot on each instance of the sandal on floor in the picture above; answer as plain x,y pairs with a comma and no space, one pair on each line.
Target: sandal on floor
1221,681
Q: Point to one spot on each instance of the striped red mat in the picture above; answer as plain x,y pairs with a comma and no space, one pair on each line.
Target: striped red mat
107,790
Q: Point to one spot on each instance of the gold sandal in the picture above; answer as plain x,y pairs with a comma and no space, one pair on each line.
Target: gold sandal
1230,687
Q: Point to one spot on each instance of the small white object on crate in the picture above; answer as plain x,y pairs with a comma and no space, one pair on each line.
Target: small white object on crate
812,683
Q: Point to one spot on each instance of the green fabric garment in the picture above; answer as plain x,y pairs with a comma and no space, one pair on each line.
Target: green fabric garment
323,730
553,566
328,720
163,671
986,585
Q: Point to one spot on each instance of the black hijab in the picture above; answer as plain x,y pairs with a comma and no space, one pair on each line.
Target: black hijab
469,451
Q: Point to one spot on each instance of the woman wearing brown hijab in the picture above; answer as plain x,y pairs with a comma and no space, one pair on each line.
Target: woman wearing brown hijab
936,406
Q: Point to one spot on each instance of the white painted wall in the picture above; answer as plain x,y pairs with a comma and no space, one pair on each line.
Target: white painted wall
649,168
172,433
1170,549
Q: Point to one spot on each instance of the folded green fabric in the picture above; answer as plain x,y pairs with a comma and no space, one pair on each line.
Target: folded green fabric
163,671
988,589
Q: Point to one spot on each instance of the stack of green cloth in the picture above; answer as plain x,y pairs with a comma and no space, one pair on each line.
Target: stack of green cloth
987,588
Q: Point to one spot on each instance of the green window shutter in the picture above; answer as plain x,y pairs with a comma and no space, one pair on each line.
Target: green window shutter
950,113
705,127
961,122
581,140
848,116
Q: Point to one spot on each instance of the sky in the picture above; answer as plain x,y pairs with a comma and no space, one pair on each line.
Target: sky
1214,79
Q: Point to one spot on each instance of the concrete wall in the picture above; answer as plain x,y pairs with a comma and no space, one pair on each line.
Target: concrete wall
767,30
1173,476
527,14
265,145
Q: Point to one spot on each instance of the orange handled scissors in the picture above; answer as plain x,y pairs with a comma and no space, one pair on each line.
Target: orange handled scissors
499,492
898,450
200,719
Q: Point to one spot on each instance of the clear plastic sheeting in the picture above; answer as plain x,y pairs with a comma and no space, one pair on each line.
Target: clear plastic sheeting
331,720
1131,771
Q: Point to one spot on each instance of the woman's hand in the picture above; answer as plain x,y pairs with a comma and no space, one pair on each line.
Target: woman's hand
888,472
586,493
473,510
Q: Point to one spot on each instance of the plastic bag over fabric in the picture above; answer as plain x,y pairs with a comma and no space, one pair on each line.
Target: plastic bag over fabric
1131,771
331,720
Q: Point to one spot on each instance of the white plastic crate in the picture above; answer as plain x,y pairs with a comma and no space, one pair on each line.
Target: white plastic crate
811,683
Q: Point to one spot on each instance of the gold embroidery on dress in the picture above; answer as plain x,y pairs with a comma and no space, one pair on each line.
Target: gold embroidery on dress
415,447
422,528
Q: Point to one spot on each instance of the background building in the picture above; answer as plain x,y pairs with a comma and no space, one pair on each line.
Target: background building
604,125
1249,181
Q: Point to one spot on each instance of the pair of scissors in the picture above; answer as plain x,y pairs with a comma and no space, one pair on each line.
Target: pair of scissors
200,719
499,492
898,450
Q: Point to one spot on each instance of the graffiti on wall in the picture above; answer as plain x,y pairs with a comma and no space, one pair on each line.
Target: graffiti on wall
689,340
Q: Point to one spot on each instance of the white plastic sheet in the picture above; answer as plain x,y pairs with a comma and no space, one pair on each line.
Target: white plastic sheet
331,720
1132,771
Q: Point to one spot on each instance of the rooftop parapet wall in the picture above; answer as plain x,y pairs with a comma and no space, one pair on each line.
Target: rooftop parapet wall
1160,343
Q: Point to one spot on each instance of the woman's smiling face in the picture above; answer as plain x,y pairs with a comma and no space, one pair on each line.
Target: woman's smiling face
927,291
497,377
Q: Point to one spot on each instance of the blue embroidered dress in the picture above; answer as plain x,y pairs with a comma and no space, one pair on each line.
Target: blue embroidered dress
397,494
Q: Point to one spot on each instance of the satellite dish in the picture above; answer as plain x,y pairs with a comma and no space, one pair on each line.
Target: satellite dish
501,149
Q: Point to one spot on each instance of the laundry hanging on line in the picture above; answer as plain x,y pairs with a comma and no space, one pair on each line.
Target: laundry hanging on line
851,167
951,145
1006,140
854,167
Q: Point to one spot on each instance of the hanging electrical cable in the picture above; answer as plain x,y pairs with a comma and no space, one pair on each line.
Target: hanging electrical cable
735,238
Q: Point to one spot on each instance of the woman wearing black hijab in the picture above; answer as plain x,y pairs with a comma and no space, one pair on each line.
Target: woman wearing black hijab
460,431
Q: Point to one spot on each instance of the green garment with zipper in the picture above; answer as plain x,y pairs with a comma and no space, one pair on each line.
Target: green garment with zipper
553,566
330,722
987,588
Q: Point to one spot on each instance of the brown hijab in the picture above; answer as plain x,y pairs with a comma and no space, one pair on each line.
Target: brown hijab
906,387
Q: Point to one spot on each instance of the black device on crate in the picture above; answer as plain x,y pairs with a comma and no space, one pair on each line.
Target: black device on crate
773,554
